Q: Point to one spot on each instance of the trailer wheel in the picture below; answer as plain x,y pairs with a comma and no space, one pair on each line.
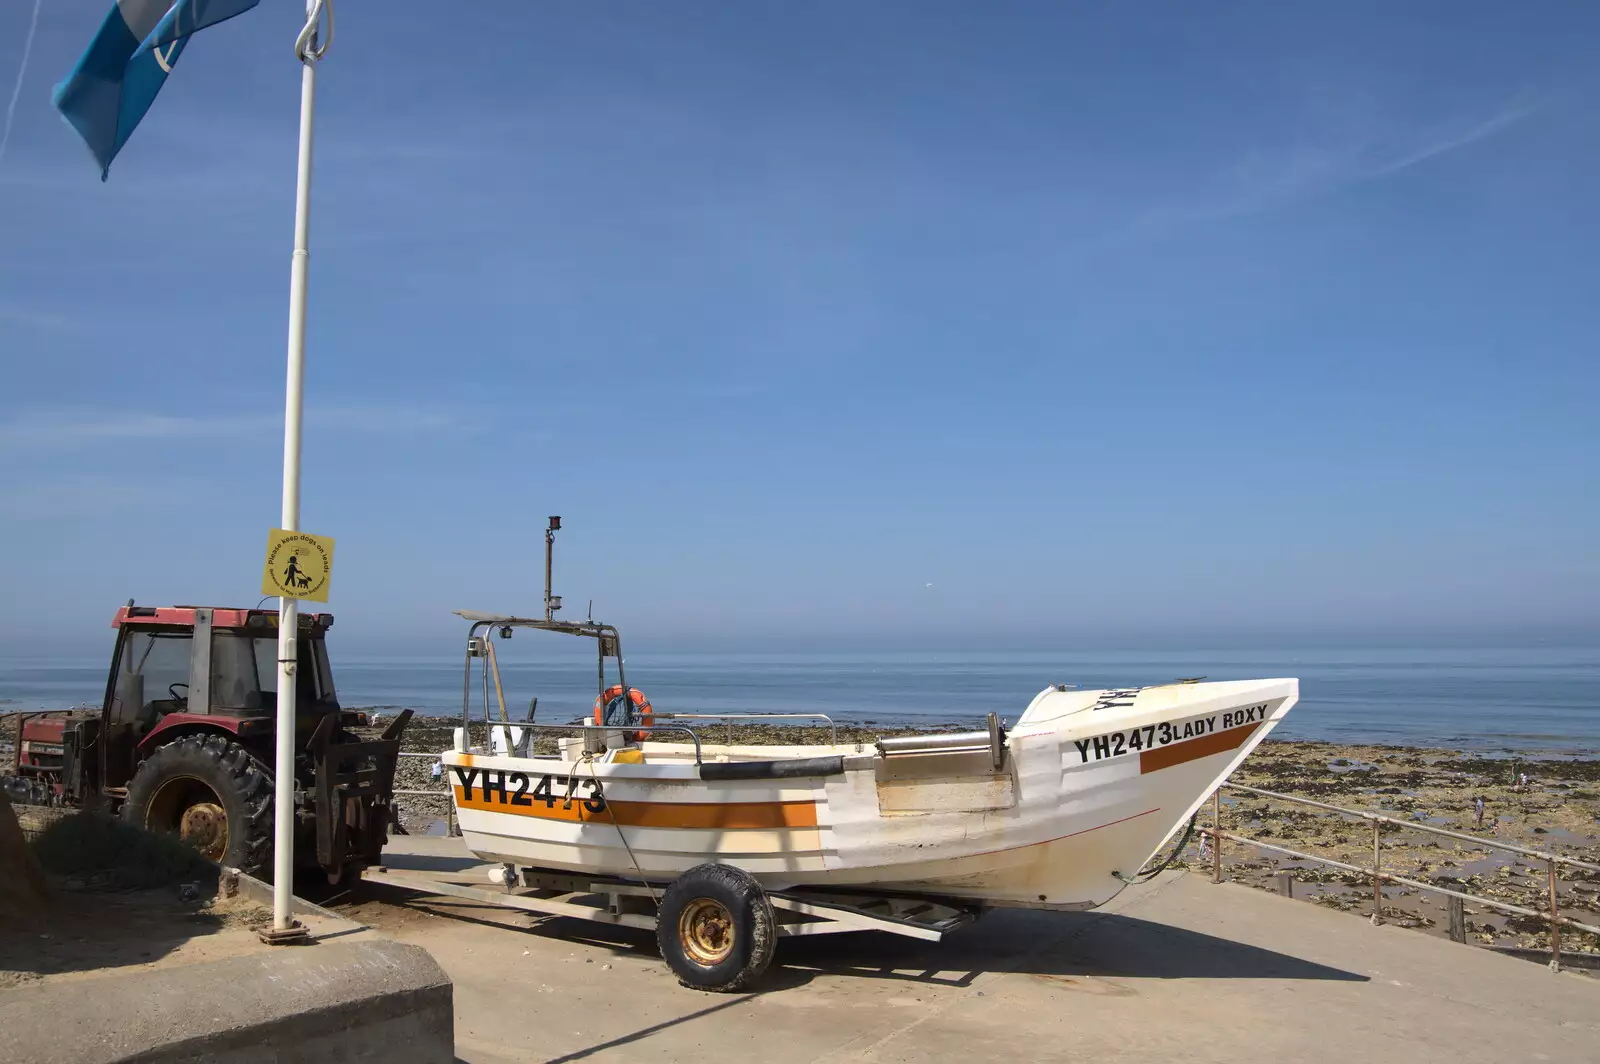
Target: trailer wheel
212,794
716,929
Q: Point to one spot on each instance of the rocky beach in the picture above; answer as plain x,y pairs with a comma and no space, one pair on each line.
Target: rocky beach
1557,811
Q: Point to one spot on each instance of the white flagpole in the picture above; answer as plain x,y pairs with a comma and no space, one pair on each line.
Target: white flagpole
310,49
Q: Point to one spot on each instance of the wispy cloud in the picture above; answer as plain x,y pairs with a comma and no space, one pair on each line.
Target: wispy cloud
73,495
1267,179
1446,141
89,429
37,319
22,73
79,428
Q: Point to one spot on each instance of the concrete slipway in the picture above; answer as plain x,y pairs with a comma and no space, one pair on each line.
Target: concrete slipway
1178,969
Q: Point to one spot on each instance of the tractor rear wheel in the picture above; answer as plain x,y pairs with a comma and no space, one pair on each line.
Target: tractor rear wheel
212,794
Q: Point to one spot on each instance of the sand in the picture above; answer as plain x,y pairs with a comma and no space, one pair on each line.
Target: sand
117,898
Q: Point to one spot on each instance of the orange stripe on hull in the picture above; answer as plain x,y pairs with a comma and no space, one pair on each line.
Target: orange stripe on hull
704,815
1193,750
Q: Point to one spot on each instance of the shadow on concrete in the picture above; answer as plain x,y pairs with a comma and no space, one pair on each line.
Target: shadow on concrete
433,862
113,900
85,931
1053,945
645,1032
618,940
1085,952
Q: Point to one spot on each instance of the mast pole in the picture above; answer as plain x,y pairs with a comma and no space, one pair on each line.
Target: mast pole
310,47
550,606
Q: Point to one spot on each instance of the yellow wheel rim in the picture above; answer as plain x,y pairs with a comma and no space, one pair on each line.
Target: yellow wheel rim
705,930
205,827
187,807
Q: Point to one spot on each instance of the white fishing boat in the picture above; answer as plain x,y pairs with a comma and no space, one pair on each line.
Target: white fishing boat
1059,810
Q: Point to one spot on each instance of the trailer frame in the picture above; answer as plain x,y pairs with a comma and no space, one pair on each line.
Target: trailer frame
799,911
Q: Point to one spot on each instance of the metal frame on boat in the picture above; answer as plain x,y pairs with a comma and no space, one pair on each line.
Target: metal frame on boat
612,900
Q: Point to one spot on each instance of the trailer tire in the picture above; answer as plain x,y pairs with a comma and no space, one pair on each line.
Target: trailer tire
716,929
182,787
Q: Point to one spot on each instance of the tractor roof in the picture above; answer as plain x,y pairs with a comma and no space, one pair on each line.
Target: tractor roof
221,617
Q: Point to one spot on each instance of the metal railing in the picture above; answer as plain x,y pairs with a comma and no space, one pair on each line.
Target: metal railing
1379,876
833,729
443,795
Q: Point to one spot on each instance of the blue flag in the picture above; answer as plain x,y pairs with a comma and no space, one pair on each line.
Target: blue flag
126,64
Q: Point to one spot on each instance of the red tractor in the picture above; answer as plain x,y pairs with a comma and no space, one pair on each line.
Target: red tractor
184,743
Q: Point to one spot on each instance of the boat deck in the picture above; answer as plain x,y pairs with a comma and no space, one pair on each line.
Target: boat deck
1179,969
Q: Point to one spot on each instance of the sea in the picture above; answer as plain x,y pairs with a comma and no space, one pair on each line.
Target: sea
1521,701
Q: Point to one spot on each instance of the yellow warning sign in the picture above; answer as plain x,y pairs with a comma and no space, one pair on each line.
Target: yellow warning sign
299,565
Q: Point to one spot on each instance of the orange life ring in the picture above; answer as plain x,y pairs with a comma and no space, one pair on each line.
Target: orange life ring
647,716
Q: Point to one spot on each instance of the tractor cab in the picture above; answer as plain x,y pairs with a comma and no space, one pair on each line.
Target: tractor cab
184,742
187,669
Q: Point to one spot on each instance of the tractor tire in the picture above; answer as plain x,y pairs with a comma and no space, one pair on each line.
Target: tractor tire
212,794
716,929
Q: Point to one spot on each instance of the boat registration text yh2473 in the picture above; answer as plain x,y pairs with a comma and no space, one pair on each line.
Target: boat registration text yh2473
512,788
1152,736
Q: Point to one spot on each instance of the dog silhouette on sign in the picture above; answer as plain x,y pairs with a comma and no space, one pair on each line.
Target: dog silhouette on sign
293,577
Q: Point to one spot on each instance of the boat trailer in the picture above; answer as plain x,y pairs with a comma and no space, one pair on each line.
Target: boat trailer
604,900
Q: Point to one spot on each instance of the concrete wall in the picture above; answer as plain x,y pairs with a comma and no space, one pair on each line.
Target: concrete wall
367,999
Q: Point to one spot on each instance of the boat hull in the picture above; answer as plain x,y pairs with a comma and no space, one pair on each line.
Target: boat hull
1091,785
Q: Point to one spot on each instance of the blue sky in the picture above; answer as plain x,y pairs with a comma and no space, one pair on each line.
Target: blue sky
937,323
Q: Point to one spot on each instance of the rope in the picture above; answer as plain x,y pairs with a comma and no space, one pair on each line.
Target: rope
1145,877
600,793
312,45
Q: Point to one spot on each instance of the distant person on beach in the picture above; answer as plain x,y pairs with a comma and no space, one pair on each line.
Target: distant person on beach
1522,781
1478,807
